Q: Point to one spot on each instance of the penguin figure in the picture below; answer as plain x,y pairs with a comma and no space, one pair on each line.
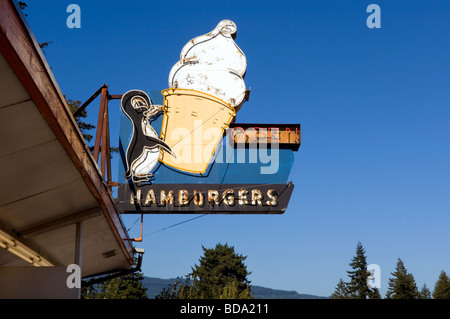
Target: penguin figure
145,146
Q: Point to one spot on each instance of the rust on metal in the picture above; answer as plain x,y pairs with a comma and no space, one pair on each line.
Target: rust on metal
115,97
102,146
88,101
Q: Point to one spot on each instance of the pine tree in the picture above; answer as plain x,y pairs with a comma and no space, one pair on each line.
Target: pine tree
232,291
124,287
424,292
358,287
341,291
83,126
221,274
218,268
172,290
375,294
442,287
402,285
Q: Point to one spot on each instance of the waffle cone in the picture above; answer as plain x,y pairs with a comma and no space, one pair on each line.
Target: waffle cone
193,125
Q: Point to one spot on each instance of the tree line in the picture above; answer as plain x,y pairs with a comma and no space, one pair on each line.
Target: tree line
220,274
402,284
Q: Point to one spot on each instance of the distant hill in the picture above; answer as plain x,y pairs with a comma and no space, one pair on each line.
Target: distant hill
269,293
156,285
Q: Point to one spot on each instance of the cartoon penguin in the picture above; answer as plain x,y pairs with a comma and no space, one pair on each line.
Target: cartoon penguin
144,148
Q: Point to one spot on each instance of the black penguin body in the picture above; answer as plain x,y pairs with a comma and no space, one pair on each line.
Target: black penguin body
136,115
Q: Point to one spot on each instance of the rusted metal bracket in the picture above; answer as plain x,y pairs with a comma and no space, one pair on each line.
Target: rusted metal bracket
141,236
102,145
88,101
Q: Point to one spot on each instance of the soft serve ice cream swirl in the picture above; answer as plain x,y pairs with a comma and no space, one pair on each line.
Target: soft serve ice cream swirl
213,64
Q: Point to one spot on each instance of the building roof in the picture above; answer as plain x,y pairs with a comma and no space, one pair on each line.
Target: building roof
49,180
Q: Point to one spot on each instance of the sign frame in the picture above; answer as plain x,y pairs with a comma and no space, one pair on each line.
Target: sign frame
205,198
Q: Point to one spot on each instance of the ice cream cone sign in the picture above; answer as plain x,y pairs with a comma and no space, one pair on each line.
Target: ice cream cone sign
187,154
206,88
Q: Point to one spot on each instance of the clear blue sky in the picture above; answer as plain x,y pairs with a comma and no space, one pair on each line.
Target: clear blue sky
374,105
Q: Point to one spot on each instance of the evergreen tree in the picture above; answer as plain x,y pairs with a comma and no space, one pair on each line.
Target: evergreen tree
358,287
424,292
218,268
172,291
442,287
23,6
88,292
221,274
341,291
402,285
83,126
375,294
124,287
232,291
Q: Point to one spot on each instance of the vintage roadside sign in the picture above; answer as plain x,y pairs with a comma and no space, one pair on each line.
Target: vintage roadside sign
181,150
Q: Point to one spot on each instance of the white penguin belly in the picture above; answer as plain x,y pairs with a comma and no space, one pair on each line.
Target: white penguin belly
146,161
